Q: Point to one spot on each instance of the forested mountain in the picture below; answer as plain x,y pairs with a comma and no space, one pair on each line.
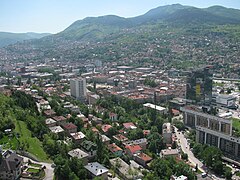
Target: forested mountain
7,38
95,28
169,35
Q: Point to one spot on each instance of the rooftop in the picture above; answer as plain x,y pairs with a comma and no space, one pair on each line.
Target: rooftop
106,127
133,148
78,135
129,125
144,157
56,129
167,152
96,169
59,118
69,126
114,148
153,106
49,121
77,153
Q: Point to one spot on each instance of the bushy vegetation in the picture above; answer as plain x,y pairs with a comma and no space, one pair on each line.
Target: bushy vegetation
19,114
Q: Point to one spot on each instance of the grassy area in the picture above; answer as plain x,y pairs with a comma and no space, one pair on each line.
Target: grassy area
32,170
236,123
9,142
33,145
35,165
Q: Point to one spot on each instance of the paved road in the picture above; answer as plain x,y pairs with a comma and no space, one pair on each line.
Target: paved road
49,171
186,149
192,159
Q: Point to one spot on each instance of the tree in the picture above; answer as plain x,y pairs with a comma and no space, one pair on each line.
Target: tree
62,169
212,157
102,152
162,168
228,173
184,156
76,166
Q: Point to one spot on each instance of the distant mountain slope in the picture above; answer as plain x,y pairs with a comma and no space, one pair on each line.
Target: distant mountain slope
7,38
98,28
172,36
224,12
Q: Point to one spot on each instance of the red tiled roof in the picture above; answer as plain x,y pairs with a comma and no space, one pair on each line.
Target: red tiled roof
175,112
114,148
120,137
49,112
69,126
145,157
133,148
106,127
129,125
59,118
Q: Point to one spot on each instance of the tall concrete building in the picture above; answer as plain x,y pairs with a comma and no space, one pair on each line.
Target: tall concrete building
199,86
78,88
212,130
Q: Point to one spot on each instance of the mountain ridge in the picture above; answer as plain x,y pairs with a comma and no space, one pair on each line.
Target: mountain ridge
7,38
172,14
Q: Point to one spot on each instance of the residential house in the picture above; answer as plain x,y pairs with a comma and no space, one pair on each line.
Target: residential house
169,152
78,153
90,148
123,169
120,138
50,122
112,116
60,120
141,142
106,127
56,129
96,120
10,166
49,113
143,159
129,125
116,150
77,137
132,149
106,140
97,170
70,128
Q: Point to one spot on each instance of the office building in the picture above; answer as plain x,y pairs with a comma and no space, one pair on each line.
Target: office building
78,88
212,130
199,86
224,100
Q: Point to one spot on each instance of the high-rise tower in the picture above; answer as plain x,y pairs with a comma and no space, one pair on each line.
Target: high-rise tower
199,86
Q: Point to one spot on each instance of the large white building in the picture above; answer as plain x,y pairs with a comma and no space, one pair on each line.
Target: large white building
78,88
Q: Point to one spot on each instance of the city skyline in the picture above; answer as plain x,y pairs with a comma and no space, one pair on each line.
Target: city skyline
21,16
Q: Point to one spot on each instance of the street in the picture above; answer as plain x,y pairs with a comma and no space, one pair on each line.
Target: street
186,149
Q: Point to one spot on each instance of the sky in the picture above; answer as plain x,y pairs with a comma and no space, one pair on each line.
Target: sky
53,16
